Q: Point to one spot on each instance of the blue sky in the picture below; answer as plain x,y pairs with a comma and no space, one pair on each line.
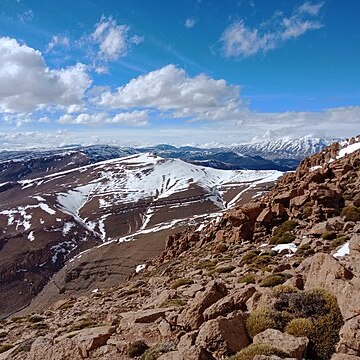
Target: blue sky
199,72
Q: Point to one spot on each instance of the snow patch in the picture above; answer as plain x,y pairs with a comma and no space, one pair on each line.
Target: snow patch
344,250
292,247
31,236
139,268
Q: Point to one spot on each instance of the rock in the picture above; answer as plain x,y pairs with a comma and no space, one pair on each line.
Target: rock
265,216
156,300
252,210
187,340
344,357
262,297
270,357
318,229
326,272
164,328
298,201
192,316
294,346
43,348
350,337
224,335
354,247
92,338
142,316
234,301
192,353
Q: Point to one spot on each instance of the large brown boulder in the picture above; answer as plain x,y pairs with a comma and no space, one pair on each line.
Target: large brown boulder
236,300
328,273
350,337
294,346
192,316
224,335
344,357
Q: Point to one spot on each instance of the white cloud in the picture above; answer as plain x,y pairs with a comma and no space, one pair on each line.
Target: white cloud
27,83
26,17
58,40
239,40
113,39
190,22
172,92
134,118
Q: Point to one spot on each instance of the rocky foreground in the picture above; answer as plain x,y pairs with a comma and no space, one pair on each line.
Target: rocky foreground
278,278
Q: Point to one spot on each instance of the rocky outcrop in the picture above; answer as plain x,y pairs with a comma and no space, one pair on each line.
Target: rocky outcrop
294,346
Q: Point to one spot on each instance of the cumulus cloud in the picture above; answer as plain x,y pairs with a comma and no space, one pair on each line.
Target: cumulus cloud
239,40
58,41
134,118
172,92
113,39
190,23
27,83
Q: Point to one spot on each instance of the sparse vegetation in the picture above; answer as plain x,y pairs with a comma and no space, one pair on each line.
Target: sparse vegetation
351,213
300,327
223,269
156,351
137,348
258,349
180,282
249,278
328,235
305,251
274,279
173,302
5,347
82,324
282,234
249,256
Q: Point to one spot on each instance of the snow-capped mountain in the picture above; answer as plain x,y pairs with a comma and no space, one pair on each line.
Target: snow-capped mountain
58,215
284,148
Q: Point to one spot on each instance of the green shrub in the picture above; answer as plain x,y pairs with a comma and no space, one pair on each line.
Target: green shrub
223,269
340,240
247,258
305,251
274,279
351,213
5,347
180,282
328,235
282,234
249,278
280,290
264,318
173,302
207,264
252,350
137,348
300,327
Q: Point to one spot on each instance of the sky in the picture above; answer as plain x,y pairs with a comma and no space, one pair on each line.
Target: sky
182,72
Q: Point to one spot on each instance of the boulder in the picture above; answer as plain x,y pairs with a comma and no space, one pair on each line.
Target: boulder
328,273
43,348
344,357
192,316
224,335
350,337
92,338
192,353
265,216
294,346
142,316
354,247
234,301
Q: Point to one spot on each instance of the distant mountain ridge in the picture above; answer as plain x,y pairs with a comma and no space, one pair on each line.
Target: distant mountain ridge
282,154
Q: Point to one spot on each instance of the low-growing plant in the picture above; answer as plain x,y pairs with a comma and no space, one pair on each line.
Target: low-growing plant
281,290
249,278
300,327
223,269
252,350
173,302
137,348
351,213
264,318
5,347
247,258
156,351
340,240
328,235
180,282
274,279
282,234
305,251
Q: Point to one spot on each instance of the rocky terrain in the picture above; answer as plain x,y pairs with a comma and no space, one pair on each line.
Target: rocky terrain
275,278
47,220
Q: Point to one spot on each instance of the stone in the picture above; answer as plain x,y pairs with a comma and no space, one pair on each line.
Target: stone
328,273
270,357
143,316
223,335
354,247
294,346
234,301
92,338
350,337
43,348
265,216
164,328
344,357
192,316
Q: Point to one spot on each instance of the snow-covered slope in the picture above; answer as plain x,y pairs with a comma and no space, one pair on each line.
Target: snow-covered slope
284,148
